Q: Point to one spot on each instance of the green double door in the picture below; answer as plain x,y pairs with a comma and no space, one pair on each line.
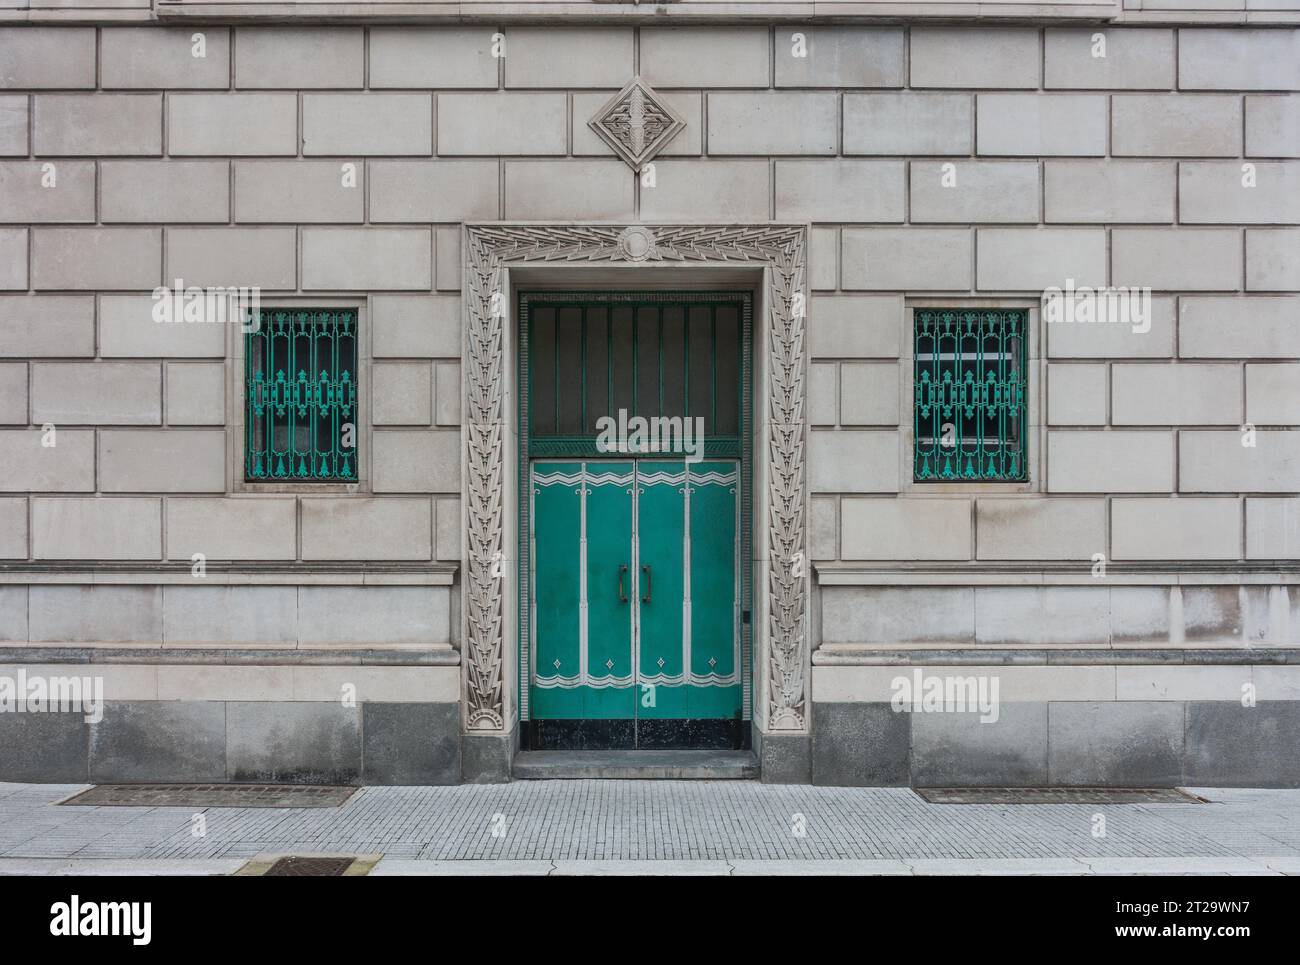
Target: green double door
635,632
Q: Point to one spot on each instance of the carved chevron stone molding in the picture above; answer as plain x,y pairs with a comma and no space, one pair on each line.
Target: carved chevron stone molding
489,250
637,123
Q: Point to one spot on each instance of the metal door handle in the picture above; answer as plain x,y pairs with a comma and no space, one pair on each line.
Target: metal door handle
649,582
622,596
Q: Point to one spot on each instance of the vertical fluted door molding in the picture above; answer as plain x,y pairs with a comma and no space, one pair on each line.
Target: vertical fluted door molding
781,249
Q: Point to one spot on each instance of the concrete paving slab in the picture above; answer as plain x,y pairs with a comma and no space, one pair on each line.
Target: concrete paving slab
1177,866
997,866
643,868
406,867
112,867
830,867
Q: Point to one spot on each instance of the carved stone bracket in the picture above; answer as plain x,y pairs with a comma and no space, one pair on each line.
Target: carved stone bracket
489,250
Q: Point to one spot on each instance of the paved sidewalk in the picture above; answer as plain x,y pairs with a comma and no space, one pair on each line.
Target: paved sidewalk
674,827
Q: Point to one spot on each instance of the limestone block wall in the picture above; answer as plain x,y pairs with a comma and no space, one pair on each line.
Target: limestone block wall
224,169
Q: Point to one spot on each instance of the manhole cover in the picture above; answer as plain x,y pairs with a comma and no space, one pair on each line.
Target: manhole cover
1057,795
211,796
296,867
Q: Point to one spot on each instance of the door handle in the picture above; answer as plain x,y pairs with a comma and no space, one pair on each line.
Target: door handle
622,595
649,582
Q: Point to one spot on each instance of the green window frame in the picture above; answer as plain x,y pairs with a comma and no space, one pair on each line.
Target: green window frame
301,396
970,413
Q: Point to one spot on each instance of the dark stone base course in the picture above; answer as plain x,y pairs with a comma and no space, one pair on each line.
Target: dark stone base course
1117,744
1231,745
1060,744
292,743
1057,744
958,750
485,758
172,742
783,758
841,732
204,742
43,748
411,743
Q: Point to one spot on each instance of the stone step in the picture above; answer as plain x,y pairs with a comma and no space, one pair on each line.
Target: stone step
635,765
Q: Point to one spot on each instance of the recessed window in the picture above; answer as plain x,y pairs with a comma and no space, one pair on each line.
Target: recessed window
300,376
970,395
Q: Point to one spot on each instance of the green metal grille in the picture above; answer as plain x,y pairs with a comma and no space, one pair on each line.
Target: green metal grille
970,418
648,354
300,372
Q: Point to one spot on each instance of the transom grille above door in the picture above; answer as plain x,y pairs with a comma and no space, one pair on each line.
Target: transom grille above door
652,355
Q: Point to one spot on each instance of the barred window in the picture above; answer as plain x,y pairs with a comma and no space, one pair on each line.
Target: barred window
970,395
300,376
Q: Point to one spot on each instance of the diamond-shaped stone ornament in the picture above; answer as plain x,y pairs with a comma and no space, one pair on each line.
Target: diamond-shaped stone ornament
636,123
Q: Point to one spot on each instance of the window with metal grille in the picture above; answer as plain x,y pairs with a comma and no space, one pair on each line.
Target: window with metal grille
970,395
300,377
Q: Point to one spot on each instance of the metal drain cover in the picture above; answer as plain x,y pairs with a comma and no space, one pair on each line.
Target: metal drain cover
211,796
1057,795
297,867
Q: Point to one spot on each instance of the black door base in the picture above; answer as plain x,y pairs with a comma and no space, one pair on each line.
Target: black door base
646,734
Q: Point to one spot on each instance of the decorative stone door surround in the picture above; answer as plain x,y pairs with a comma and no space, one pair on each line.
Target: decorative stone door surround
496,256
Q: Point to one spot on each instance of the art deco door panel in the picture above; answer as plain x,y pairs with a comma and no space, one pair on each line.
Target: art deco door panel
660,590
582,585
635,566
688,639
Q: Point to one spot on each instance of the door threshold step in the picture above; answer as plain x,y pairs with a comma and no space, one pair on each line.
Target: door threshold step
635,765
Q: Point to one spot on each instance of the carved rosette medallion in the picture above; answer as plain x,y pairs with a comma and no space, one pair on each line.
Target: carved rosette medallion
636,123
638,243
489,249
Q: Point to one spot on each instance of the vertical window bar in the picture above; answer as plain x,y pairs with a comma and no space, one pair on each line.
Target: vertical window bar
330,400
740,372
311,388
686,357
660,343
713,368
583,372
252,410
609,362
295,396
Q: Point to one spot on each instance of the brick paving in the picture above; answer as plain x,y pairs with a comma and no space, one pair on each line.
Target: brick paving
681,821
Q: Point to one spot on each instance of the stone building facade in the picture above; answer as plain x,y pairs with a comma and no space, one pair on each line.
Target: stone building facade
863,205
